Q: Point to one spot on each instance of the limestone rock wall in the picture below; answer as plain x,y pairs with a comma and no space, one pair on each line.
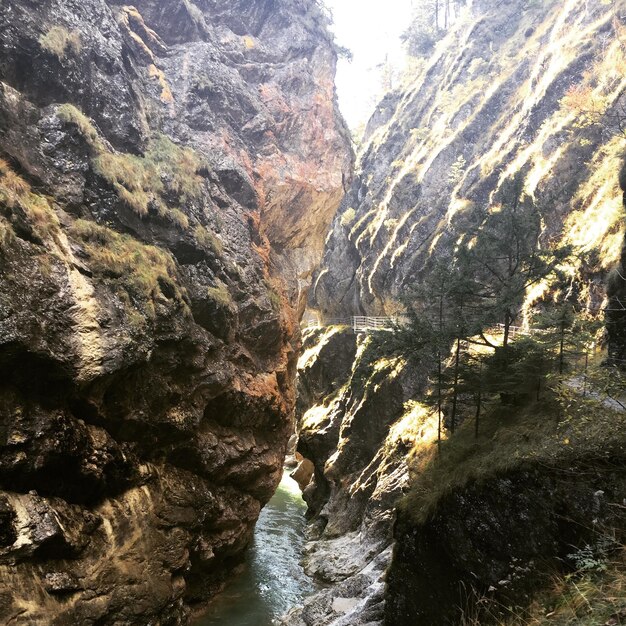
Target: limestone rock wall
515,87
161,167
355,426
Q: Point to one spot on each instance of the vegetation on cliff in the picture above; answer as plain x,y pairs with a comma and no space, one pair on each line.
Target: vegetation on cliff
487,218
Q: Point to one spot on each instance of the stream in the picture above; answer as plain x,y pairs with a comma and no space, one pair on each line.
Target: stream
273,580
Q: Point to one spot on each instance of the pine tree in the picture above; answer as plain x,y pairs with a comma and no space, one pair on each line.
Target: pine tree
504,255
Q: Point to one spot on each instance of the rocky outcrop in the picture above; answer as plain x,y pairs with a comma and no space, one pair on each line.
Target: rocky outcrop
167,173
404,532
355,427
493,543
517,87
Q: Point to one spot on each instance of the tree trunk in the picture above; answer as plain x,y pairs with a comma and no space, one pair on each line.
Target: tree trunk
479,399
562,349
439,403
507,330
455,388
439,378
585,376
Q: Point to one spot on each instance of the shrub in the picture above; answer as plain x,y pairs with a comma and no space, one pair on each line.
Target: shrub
178,165
69,114
58,41
179,218
12,186
136,182
220,295
141,181
14,191
208,241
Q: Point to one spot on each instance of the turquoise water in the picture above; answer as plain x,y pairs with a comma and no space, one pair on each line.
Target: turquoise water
273,580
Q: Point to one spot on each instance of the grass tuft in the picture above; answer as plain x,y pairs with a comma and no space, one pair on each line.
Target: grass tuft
145,273
15,191
220,295
579,599
69,114
142,182
59,41
208,241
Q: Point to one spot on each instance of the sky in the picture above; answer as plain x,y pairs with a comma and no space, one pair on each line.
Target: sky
371,30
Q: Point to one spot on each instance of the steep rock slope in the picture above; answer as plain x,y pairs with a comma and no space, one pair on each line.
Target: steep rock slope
355,427
515,87
167,172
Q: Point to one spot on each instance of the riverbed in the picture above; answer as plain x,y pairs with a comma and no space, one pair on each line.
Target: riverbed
273,580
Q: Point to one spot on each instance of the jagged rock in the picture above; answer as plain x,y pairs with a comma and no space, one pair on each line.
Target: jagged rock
498,538
167,174
359,470
60,583
495,98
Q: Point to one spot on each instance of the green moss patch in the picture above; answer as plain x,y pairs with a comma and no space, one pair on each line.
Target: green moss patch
144,182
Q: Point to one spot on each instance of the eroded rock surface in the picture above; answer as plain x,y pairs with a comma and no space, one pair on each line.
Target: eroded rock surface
355,428
167,173
508,91
499,540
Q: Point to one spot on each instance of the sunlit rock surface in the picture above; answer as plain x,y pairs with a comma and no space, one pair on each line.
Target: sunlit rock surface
167,174
356,427
515,87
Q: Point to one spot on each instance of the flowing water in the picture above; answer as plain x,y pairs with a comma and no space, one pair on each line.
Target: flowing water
273,580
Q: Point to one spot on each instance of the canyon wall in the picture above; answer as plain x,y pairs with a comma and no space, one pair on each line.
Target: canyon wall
528,88
532,90
168,171
356,425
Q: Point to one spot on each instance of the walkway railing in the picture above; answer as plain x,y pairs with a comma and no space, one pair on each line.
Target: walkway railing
359,323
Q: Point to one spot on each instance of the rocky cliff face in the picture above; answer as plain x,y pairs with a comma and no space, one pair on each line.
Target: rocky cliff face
493,543
528,89
405,535
517,87
355,427
167,173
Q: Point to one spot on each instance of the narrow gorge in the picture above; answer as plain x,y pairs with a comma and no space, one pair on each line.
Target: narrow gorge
199,279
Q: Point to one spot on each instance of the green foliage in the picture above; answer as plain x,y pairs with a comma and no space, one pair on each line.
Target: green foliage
59,41
273,296
587,597
145,273
208,241
220,295
593,558
135,180
503,256
538,431
69,114
142,182
40,215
